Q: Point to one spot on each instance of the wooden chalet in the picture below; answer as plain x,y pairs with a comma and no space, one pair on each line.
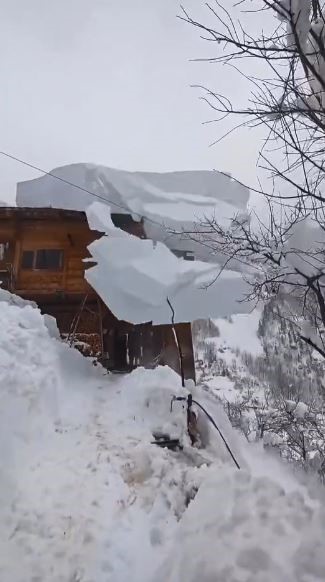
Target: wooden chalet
41,259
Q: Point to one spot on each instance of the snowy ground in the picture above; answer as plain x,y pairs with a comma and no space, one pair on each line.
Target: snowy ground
85,497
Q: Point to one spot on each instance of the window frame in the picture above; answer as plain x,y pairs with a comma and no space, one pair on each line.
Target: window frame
34,266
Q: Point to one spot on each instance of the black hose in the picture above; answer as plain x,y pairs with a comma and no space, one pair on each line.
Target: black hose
190,401
219,431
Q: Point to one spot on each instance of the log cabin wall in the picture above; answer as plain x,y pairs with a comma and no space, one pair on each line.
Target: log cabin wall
36,237
41,259
70,238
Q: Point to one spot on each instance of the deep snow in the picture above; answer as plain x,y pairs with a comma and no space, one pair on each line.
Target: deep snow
85,497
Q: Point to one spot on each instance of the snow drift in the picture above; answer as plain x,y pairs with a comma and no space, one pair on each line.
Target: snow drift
84,495
240,528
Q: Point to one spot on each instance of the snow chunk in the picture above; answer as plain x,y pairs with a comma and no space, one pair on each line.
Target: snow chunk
135,277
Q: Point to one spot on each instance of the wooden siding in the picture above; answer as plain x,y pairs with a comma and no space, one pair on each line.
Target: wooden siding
72,239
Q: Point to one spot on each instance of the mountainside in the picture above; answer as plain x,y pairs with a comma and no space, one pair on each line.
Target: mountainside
292,368
270,382
265,345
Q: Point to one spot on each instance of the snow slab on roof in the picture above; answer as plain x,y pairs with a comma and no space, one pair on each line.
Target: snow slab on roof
198,187
136,277
173,200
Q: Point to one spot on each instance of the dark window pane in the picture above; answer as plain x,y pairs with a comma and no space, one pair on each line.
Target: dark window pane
27,260
49,259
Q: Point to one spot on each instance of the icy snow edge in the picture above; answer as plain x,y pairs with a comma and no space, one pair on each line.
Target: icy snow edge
136,278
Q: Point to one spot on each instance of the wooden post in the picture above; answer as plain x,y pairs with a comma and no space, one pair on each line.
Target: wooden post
75,321
100,319
178,344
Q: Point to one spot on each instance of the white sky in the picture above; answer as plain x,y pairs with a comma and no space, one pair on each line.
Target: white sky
108,81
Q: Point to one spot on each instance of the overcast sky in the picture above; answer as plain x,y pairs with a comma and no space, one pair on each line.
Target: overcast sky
108,81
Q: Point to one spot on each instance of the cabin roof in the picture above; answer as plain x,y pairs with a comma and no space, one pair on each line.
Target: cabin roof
21,213
58,214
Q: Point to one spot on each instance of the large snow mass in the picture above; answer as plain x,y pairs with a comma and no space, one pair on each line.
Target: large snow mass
86,497
134,277
170,200
139,279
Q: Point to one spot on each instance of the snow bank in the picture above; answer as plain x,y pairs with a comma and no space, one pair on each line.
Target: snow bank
242,528
49,321
80,479
172,200
7,297
43,388
134,277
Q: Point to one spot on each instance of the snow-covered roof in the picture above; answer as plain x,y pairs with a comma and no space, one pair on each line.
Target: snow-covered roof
199,188
170,200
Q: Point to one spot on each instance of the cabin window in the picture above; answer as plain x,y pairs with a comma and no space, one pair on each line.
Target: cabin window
50,259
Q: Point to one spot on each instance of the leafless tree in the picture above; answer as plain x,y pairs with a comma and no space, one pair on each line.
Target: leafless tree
283,251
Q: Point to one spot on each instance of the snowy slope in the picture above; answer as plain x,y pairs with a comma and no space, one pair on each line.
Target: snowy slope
240,332
172,200
222,368
85,497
